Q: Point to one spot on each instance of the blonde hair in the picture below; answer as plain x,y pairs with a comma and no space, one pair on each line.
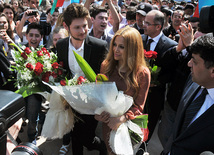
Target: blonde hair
133,57
60,20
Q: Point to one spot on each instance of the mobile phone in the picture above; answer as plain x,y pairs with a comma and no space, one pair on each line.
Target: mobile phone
1,26
34,12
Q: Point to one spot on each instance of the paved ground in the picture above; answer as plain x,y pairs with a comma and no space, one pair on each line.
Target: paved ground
52,147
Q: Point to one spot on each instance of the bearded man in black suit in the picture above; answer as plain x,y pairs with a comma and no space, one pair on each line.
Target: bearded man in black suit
93,50
155,40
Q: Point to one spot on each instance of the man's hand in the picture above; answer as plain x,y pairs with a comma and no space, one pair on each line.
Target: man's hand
49,18
25,15
186,36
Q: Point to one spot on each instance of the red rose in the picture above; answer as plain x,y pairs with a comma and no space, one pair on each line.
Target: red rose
61,64
63,82
24,55
45,77
150,54
55,65
154,54
80,80
54,75
27,50
60,72
38,68
29,66
45,51
39,53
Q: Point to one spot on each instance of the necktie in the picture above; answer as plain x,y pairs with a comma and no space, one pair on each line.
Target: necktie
148,44
193,108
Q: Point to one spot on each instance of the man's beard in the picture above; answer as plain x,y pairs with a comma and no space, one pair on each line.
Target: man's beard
75,38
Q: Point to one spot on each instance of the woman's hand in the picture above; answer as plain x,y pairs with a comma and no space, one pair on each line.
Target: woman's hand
103,117
115,122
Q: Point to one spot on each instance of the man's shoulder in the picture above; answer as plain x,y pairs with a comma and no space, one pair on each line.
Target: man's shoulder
62,42
169,41
95,41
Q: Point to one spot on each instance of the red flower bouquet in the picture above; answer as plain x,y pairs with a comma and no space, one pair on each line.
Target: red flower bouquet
150,57
34,66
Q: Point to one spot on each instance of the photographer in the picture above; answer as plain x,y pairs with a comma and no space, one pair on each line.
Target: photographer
31,16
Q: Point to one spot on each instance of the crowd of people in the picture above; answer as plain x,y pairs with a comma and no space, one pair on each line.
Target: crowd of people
111,36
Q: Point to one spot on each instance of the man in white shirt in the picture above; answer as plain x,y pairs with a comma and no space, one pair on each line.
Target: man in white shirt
197,135
153,25
93,51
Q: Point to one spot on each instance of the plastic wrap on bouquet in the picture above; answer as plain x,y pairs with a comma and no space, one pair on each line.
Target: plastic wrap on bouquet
94,99
59,120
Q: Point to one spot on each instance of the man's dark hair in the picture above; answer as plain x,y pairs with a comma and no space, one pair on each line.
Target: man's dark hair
179,11
74,11
131,13
49,10
96,9
35,26
204,46
167,11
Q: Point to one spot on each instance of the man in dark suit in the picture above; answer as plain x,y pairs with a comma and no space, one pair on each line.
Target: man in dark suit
93,50
193,131
153,25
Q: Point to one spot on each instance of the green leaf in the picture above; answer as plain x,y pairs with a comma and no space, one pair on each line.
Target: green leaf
101,78
17,47
141,121
134,136
154,69
26,91
86,68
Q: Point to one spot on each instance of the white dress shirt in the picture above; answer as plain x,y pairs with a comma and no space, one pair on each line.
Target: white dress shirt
155,41
208,102
73,65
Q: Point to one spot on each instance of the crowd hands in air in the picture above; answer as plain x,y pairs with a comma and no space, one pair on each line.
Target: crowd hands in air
115,34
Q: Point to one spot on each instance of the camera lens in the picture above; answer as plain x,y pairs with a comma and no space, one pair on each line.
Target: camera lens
26,149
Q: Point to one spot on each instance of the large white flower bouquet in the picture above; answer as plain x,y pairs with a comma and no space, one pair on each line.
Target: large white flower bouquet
94,98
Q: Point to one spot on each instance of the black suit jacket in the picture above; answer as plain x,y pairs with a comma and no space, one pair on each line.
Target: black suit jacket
94,52
164,45
199,136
